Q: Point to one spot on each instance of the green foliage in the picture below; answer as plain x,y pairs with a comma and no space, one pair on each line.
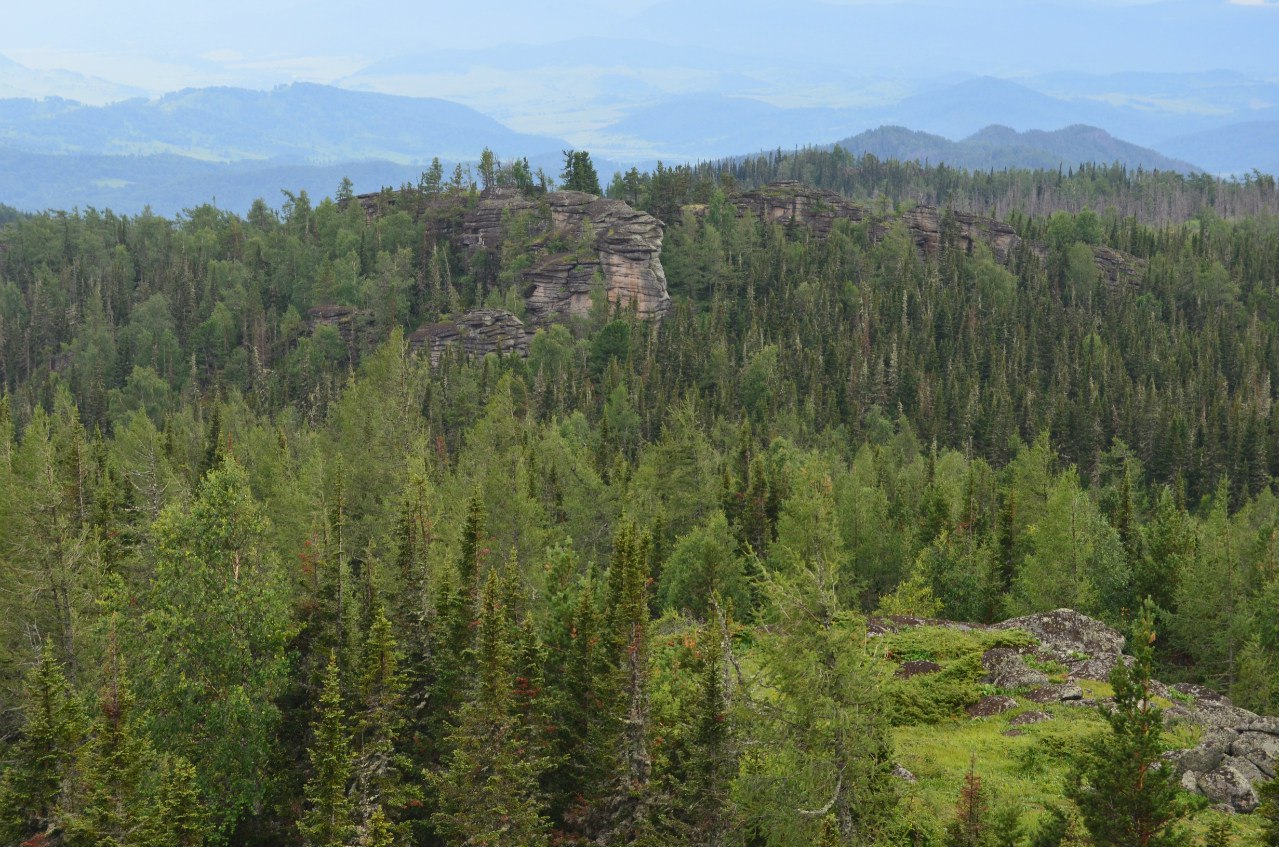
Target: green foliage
43,757
329,820
213,643
1123,796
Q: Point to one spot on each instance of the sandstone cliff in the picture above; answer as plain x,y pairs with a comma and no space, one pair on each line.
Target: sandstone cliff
476,333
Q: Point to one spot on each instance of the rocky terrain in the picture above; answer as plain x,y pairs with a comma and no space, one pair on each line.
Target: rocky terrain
1237,749
568,242
791,203
476,332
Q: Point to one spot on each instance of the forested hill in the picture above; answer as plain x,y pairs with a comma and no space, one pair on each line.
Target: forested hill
291,559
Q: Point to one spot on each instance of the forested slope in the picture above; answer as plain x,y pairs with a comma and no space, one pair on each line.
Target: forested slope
273,578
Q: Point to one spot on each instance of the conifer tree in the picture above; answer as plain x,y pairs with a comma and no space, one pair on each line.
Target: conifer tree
1268,811
1124,797
823,722
41,760
970,828
379,766
706,797
329,820
488,790
113,803
180,817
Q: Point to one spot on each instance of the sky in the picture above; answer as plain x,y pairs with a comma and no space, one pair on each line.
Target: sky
161,45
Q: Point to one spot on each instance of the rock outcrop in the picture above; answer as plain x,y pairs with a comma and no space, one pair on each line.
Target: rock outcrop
568,240
1237,751
794,204
351,323
927,223
476,333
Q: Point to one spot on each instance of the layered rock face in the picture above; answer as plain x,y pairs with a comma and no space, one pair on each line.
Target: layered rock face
574,241
476,333
575,236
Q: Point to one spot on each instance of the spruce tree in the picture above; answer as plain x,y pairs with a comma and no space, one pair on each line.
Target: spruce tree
43,756
379,768
1125,798
329,820
180,817
488,790
113,802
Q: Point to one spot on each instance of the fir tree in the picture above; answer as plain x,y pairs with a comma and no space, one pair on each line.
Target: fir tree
180,818
113,803
379,783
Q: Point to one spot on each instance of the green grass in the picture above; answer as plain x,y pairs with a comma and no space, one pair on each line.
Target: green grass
935,740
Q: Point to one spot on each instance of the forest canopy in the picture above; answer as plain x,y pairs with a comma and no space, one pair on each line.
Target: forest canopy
277,579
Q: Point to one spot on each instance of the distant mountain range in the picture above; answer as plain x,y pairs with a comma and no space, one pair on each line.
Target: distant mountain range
298,124
190,147
999,147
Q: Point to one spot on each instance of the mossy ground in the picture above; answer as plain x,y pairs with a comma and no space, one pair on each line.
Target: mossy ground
1027,771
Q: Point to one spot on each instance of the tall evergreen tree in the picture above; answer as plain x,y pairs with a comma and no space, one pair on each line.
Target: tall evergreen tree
329,820
113,802
488,789
41,760
1125,798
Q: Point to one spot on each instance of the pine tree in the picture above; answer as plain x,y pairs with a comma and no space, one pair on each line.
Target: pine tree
43,756
1125,799
488,790
329,820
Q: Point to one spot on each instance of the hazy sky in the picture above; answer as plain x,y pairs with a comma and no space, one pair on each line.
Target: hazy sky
160,45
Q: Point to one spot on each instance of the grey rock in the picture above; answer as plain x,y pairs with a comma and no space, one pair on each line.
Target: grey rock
1056,693
1229,787
1268,725
1026,718
988,706
1190,781
1088,647
1006,668
1259,748
1246,768
903,774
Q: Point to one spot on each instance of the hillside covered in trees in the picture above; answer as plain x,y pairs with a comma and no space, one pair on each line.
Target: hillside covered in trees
478,513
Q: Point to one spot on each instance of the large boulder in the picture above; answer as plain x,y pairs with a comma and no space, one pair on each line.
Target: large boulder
1227,786
1006,668
1086,646
1259,748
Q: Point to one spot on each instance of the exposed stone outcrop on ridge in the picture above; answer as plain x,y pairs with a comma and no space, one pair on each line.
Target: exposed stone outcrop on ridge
477,333
792,203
